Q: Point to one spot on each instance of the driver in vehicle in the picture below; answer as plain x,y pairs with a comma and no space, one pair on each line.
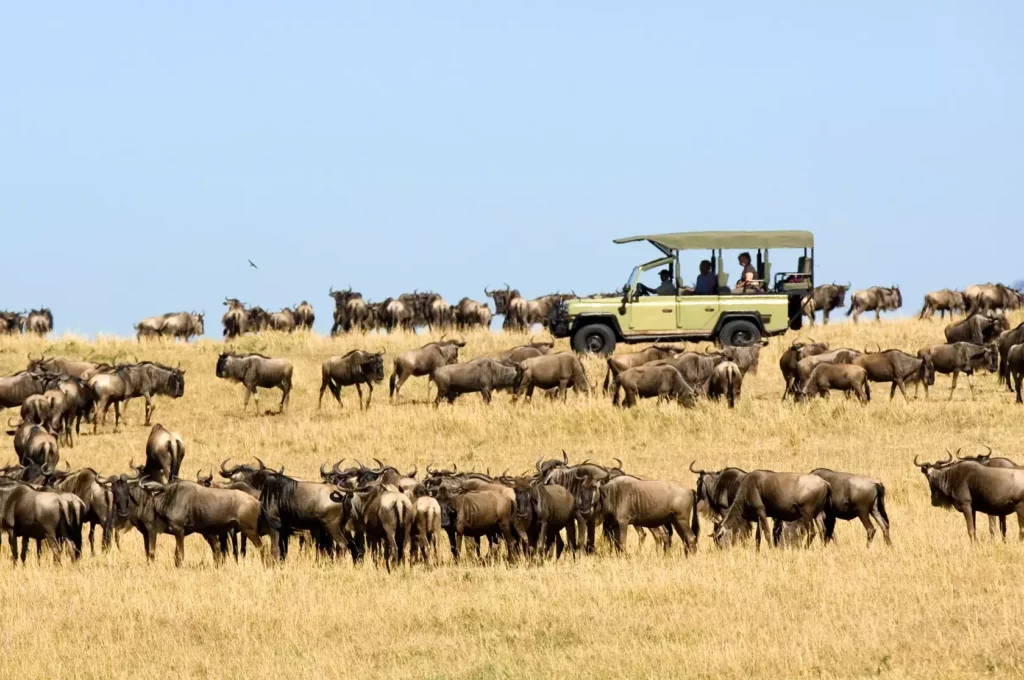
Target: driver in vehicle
666,287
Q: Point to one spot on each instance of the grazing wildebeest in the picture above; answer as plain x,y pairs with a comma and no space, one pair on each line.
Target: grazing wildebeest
164,453
235,320
855,497
304,315
827,377
896,367
726,380
1006,341
942,301
784,496
620,362
127,381
806,366
561,371
291,506
662,381
31,513
481,375
650,504
877,299
528,351
542,511
358,368
993,297
476,514
1015,368
470,313
255,371
423,361
717,489
15,389
39,321
824,298
35,445
979,329
957,358
791,358
970,487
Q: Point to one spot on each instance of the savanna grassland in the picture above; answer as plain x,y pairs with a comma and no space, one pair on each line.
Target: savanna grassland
932,605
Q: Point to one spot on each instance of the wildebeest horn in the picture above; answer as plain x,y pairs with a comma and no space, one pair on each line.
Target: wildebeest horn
537,465
918,463
565,457
138,470
989,454
323,473
360,464
429,469
224,471
263,465
487,292
455,468
415,469
618,461
380,465
336,468
699,472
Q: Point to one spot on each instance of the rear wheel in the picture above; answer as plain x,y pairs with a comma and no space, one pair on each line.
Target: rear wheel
595,338
739,333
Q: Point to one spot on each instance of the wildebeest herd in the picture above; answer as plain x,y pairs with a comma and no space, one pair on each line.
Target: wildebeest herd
36,322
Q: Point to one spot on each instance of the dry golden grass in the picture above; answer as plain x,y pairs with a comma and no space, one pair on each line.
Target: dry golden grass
931,605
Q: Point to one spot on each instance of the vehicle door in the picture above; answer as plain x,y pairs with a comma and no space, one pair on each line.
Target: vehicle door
652,314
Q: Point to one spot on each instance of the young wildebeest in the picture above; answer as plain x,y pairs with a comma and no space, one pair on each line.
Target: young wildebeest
617,364
423,361
876,298
542,511
942,301
957,358
481,375
355,368
896,367
978,329
791,358
255,371
384,515
662,381
726,380
427,527
855,497
1006,342
649,504
1015,368
827,377
970,487
785,496
561,371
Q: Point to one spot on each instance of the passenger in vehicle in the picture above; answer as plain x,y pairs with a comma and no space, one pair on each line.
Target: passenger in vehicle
748,276
707,283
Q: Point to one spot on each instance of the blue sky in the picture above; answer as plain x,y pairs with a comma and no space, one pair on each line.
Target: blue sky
147,150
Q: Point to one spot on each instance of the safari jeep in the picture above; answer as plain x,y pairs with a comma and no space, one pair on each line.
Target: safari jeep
732,313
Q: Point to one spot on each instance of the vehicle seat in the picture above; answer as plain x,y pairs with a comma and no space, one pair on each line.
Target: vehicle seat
804,264
723,276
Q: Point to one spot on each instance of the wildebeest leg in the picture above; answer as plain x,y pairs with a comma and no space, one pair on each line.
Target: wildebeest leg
359,391
992,524
251,391
544,539
570,537
149,407
952,389
92,543
217,545
179,548
51,540
563,390
685,534
286,392
762,523
1018,379
486,394
12,539
234,544
559,545
968,513
970,382
117,415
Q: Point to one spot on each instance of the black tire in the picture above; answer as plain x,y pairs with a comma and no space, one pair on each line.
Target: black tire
739,333
595,338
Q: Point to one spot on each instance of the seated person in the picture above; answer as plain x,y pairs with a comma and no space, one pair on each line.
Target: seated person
707,283
749,275
666,287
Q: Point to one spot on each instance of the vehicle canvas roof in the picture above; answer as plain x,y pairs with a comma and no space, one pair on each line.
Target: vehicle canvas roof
726,240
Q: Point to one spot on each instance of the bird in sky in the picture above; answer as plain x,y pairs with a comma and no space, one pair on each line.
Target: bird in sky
253,264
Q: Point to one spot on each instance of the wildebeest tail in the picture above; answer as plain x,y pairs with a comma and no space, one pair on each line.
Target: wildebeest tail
394,379
695,518
615,390
579,377
867,390
730,390
880,500
830,516
607,376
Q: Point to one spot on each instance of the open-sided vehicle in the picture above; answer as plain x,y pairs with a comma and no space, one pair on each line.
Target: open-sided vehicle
738,315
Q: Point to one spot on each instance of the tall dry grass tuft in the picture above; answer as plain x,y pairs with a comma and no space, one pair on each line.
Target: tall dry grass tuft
932,605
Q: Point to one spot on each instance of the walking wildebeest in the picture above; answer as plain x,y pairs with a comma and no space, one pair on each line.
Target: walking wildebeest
127,381
855,497
255,371
791,358
662,381
896,367
826,377
39,321
83,370
785,496
726,380
358,368
824,298
877,299
987,296
481,375
561,371
970,487
620,362
174,324
942,301
957,358
423,361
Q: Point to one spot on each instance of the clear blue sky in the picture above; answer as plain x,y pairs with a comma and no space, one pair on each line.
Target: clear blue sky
147,150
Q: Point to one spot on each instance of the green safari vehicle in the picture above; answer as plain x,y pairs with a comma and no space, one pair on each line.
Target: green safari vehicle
738,315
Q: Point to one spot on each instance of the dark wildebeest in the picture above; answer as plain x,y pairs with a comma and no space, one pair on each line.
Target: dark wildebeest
896,367
476,514
481,375
957,358
525,313
827,377
987,460
127,381
717,489
342,322
726,380
291,506
471,314
423,361
52,410
970,487
12,323
501,298
784,496
79,400
383,515
257,319
942,301
93,489
694,367
1006,341
746,359
255,371
619,363
436,311
35,445
542,511
584,482
979,329
991,297
650,504
791,358
877,299
39,321
358,368
304,315
855,497
662,381
806,366
31,513
235,320
164,453
15,389
1015,368
399,313
824,298
561,371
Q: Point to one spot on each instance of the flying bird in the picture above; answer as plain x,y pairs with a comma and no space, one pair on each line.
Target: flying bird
253,264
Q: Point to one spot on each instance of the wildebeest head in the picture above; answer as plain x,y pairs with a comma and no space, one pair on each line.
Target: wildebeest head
588,495
197,323
501,298
222,364
234,303
544,467
373,366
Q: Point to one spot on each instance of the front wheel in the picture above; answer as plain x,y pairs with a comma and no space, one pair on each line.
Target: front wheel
594,339
739,333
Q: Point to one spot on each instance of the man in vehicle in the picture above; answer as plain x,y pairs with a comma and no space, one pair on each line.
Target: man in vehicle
666,287
707,283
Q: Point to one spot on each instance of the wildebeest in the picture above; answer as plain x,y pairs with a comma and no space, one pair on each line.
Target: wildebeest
542,511
350,311
746,359
31,513
1006,341
164,453
83,370
957,358
235,319
39,321
806,366
790,359
173,324
725,380
662,381
427,527
979,329
650,504
620,362
15,389
358,368
384,515
896,367
97,498
970,487
1015,368
992,297
12,323
255,371
987,460
784,496
827,377
283,321
824,298
291,506
694,367
127,381
471,314
717,489
942,301
304,315
423,361
475,514
528,351
521,313
855,497
877,299
79,400
399,313
561,371
35,445
481,375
